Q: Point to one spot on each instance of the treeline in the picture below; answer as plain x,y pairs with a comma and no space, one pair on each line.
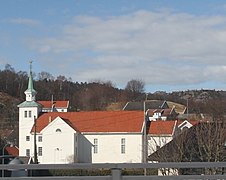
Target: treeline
204,101
83,96
100,95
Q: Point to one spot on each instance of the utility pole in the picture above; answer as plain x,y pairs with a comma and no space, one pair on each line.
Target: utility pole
145,137
3,158
187,107
35,144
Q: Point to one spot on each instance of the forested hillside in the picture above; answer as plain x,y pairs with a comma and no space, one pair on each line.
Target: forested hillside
97,95
83,95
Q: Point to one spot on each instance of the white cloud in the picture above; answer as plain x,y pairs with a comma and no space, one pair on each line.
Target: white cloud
4,61
24,21
159,47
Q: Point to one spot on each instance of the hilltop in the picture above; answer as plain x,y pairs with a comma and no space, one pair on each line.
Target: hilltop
95,96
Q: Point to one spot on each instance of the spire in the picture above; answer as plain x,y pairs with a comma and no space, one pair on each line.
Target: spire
30,81
30,92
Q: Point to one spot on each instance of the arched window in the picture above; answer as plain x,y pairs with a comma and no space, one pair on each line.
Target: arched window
58,130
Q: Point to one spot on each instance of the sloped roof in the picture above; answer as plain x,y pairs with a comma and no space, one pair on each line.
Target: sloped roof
193,122
179,108
29,104
150,104
167,112
96,121
164,112
14,151
162,127
30,86
58,104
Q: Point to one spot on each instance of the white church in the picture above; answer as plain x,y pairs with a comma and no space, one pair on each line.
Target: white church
68,137
52,135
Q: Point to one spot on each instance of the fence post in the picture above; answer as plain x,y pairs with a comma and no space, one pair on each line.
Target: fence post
116,174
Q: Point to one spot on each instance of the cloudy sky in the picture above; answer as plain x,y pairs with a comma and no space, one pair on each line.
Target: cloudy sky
169,44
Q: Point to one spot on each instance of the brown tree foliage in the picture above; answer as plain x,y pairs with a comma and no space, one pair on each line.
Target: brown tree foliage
204,142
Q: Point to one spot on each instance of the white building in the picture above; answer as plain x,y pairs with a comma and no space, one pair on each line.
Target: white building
95,137
51,106
162,114
159,134
67,137
92,137
28,111
162,132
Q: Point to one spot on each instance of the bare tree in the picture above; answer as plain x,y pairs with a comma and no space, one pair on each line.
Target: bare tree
45,76
135,86
203,142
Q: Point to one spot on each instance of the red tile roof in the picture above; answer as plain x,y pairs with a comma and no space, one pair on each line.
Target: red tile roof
58,104
14,151
97,121
162,127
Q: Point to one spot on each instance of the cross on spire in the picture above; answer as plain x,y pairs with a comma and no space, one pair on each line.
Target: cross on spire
30,66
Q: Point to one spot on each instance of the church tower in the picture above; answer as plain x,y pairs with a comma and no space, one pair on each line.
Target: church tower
30,92
28,112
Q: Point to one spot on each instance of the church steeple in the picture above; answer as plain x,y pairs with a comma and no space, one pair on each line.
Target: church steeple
30,92
28,111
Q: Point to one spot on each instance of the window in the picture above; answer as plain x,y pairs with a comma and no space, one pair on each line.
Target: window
25,114
29,113
28,152
39,138
123,146
40,151
27,138
58,130
95,146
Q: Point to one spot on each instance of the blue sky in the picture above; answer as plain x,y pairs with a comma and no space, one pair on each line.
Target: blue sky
169,44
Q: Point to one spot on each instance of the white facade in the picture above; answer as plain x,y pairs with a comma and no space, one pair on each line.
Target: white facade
68,146
54,106
155,142
28,112
59,143
163,132
62,144
62,140
55,109
110,147
26,121
157,116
